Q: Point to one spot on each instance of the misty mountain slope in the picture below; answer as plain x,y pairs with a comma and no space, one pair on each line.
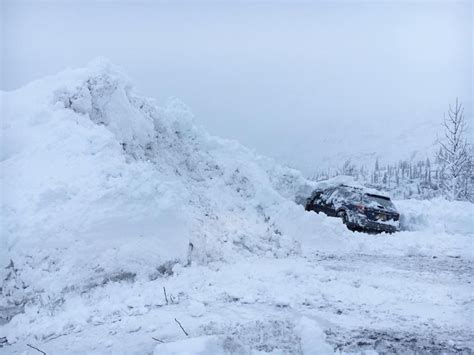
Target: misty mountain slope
108,198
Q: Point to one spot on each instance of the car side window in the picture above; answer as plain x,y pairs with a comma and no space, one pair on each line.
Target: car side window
326,196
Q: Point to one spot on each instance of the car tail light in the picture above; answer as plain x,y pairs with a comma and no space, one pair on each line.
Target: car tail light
361,208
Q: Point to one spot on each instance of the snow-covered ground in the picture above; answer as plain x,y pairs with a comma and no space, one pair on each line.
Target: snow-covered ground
127,229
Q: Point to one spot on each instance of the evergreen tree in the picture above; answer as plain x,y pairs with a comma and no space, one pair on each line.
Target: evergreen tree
456,164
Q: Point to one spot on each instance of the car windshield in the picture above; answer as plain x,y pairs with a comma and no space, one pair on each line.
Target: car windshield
376,201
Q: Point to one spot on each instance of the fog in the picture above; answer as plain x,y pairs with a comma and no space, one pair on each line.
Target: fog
307,83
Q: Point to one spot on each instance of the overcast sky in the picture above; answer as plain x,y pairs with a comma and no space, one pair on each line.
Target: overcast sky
300,82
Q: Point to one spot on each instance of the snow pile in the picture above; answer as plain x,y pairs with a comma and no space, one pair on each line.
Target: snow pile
101,185
437,215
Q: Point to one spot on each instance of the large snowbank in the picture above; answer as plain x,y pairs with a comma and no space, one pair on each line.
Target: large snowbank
99,183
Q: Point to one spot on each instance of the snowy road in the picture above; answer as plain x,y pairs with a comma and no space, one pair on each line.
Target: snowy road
428,301
362,301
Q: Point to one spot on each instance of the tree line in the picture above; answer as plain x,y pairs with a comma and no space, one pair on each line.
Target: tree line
449,173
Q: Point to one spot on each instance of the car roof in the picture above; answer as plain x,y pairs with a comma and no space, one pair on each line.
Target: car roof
350,183
361,189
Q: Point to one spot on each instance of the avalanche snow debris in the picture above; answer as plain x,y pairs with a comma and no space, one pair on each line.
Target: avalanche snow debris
104,192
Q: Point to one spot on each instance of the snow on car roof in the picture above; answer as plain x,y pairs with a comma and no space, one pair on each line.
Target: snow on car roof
349,181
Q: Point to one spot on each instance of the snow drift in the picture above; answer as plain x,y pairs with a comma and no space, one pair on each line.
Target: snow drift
100,184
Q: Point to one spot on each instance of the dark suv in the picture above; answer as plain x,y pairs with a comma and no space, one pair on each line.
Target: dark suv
359,209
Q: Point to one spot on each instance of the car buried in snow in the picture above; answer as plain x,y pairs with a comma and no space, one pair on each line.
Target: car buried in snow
360,209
